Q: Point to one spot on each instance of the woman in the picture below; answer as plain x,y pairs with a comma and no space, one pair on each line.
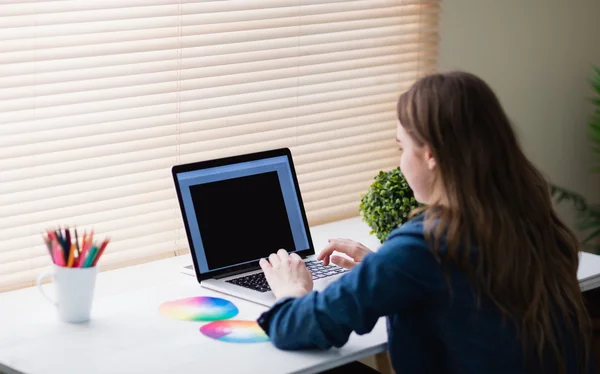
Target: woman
483,279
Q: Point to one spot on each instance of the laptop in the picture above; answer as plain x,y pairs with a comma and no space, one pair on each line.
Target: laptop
239,209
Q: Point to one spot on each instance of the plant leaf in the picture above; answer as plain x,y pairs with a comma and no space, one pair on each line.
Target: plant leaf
595,83
560,194
585,225
387,203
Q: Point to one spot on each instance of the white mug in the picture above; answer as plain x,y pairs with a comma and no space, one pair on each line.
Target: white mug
73,291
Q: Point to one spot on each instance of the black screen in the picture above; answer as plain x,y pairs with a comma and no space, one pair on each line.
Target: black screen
242,219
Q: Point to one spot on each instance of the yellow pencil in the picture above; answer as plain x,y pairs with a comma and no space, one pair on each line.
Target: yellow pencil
71,256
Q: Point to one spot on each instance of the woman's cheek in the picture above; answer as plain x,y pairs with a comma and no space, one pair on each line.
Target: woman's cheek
405,167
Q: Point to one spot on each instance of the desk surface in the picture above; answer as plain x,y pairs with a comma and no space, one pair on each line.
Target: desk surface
128,335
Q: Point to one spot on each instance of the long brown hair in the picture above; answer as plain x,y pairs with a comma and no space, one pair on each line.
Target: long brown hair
498,202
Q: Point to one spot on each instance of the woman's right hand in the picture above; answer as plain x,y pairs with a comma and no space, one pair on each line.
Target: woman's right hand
356,251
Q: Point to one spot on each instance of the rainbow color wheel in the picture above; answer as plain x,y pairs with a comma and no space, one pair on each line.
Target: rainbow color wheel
201,308
235,331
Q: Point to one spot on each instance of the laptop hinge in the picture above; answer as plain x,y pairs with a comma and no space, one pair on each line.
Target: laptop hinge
232,273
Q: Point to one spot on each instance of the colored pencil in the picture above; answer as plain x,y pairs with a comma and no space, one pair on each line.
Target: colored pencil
90,257
83,250
57,237
58,254
77,243
62,245
52,239
68,239
100,251
67,243
71,256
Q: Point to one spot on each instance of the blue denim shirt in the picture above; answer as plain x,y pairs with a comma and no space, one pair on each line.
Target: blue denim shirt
429,329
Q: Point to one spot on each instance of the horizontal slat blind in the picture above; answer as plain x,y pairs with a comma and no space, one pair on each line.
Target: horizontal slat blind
98,99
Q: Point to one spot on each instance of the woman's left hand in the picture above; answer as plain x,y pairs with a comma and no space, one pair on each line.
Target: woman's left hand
287,275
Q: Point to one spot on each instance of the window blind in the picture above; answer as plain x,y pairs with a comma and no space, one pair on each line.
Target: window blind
98,99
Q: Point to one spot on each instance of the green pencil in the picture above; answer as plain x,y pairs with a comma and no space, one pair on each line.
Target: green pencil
89,260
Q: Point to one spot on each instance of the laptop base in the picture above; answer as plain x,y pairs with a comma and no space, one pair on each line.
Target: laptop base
263,298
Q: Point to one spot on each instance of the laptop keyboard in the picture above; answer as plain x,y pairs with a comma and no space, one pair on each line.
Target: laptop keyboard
319,270
255,282
258,282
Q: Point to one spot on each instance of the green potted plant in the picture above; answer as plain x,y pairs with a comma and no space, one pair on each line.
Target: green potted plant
588,215
387,204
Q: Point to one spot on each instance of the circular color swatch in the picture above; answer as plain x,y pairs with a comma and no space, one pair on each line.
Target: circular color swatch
199,308
235,331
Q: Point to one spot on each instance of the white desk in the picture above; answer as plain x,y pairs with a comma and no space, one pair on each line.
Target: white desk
128,335
589,268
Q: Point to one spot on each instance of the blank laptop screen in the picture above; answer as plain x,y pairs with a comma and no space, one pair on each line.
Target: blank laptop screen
242,212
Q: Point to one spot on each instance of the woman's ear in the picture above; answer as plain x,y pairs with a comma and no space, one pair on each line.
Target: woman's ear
431,162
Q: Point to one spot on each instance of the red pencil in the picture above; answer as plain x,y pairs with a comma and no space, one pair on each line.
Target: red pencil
100,251
58,254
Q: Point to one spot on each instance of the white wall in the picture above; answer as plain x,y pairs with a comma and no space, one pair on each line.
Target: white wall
536,55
